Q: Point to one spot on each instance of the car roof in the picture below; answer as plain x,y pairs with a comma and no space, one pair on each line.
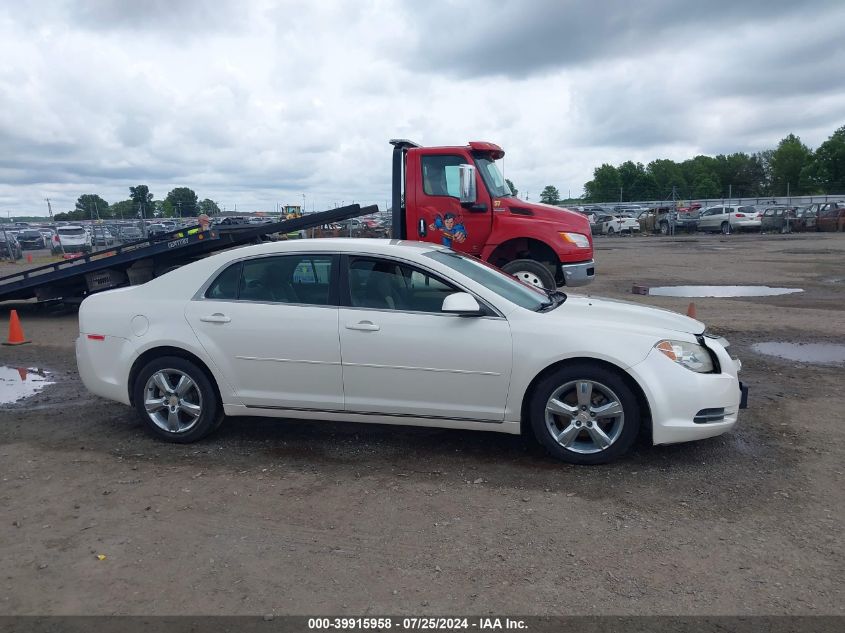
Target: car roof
338,244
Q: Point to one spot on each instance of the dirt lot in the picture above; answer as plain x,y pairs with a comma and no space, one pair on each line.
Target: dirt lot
297,517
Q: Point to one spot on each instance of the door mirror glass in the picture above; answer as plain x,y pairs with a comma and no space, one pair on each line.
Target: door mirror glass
462,303
466,178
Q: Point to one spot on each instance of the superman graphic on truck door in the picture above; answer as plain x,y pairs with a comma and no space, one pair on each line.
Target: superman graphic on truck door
450,228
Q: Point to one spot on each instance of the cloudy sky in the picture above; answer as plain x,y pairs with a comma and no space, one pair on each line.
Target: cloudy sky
258,103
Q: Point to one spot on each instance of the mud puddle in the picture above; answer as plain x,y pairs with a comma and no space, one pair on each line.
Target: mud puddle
721,291
17,383
811,353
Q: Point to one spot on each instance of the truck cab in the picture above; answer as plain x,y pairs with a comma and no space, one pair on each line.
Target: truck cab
457,197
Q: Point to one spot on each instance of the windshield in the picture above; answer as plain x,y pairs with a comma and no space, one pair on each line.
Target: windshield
493,279
493,178
30,234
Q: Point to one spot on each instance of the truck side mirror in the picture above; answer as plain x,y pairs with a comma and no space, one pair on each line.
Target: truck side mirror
466,184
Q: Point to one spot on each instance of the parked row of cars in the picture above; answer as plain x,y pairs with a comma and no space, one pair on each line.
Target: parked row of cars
725,219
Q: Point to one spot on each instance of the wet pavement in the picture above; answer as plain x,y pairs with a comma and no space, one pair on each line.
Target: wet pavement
813,353
721,291
17,383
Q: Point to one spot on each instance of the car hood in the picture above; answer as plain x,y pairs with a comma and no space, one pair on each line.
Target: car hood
626,315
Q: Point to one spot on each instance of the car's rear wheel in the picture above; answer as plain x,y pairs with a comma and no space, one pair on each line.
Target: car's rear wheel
664,228
726,228
176,400
610,230
584,414
531,272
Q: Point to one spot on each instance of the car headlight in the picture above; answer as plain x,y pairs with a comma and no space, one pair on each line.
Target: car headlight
690,355
579,240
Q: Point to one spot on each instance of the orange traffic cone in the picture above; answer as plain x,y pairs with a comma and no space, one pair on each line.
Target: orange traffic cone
29,258
691,310
15,330
22,372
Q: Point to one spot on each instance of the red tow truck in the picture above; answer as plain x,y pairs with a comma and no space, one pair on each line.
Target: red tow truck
456,196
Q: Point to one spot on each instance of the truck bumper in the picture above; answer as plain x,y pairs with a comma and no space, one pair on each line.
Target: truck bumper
578,274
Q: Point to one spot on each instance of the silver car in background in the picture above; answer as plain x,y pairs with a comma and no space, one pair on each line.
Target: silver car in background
729,218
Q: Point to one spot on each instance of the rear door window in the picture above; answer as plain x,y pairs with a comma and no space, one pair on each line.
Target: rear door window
300,278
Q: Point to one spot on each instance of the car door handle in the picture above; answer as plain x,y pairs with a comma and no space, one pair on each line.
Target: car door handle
364,326
215,318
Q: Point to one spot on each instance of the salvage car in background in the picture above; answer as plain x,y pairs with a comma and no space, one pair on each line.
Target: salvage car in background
74,239
31,240
401,333
831,217
9,247
729,219
779,219
806,218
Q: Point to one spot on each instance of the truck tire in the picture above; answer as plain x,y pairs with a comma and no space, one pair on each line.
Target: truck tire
531,272
664,228
726,228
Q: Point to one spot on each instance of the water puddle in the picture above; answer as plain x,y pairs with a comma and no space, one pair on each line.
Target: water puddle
812,353
720,291
17,383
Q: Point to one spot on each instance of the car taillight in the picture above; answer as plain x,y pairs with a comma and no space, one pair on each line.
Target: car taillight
740,215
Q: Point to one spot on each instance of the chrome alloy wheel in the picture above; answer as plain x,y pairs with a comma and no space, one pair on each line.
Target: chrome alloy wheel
528,278
584,416
172,400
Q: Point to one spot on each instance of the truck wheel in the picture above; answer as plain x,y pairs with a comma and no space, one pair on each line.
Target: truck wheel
726,228
584,414
531,272
664,228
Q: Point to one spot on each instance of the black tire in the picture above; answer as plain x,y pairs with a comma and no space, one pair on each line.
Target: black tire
786,229
664,228
726,228
610,230
600,376
211,414
531,272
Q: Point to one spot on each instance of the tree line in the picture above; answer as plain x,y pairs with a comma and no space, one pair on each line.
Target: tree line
791,168
180,202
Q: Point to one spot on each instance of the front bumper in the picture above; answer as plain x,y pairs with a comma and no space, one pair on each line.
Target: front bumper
686,405
578,274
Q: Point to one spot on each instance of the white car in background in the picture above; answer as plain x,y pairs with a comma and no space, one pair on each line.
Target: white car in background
620,224
730,218
401,333
74,238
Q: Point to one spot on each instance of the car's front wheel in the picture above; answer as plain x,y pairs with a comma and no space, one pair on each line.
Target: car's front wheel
585,414
176,400
726,228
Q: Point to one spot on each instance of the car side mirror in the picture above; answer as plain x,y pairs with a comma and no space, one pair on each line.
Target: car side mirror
462,304
466,184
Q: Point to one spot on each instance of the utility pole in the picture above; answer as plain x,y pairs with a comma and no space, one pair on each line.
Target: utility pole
49,208
620,194
730,193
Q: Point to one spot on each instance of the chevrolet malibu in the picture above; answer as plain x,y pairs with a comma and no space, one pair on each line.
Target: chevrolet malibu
404,333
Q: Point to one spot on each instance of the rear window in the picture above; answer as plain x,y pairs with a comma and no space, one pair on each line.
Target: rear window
77,231
27,234
747,210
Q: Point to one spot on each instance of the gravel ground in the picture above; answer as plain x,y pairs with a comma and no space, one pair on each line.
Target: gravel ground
300,517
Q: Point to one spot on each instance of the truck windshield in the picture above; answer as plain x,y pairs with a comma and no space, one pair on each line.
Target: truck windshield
493,279
493,178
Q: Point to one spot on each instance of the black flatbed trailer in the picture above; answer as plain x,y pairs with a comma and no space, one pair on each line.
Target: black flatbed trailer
136,262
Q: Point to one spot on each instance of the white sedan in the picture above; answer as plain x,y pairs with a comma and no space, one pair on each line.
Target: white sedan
401,333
